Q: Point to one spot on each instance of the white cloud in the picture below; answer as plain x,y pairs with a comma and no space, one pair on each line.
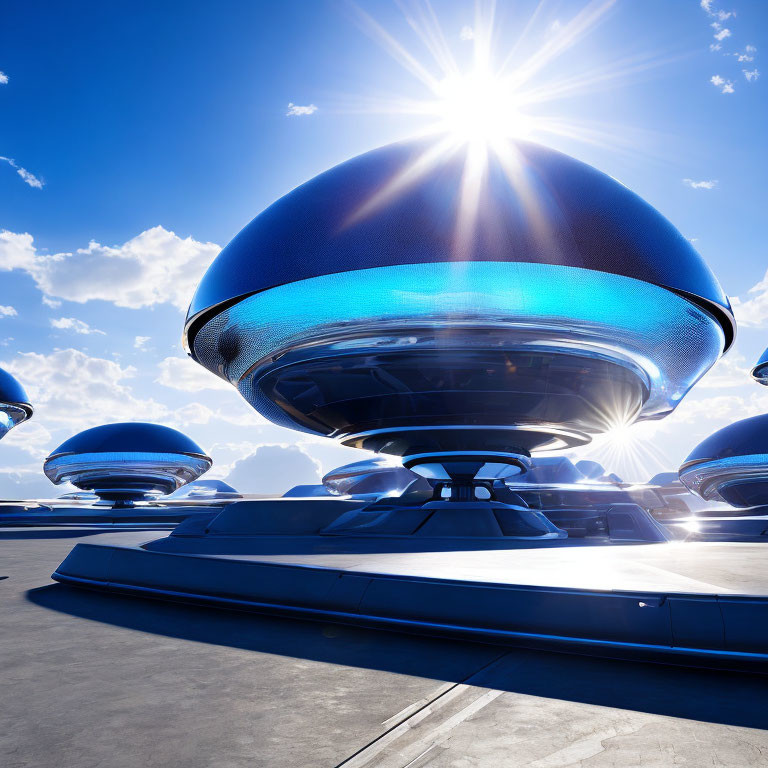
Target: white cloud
185,374
31,437
4,78
16,250
73,324
28,178
725,86
467,33
154,267
27,484
273,469
298,110
236,413
729,371
722,34
140,341
710,184
52,303
748,55
720,15
751,75
718,411
715,47
72,390
753,310
6,311
193,413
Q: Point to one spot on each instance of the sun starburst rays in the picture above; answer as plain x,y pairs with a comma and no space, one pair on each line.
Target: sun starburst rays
484,106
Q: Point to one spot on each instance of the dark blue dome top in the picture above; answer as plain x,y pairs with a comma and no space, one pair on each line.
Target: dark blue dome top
748,437
589,220
129,437
12,392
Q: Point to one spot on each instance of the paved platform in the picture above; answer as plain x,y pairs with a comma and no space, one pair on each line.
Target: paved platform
90,679
681,567
683,602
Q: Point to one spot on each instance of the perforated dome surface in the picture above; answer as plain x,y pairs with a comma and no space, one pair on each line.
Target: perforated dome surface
367,309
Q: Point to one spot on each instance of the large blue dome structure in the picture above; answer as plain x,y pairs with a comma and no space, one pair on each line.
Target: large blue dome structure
460,318
15,407
731,465
362,306
127,461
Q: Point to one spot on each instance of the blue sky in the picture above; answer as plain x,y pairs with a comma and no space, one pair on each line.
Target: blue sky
138,138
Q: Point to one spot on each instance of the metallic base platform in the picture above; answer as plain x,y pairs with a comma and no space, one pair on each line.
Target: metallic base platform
146,517
680,602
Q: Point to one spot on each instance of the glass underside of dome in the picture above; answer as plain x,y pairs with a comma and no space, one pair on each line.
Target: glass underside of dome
741,481
10,416
388,357
126,475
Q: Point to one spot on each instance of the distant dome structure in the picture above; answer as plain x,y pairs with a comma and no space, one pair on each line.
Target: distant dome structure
731,465
382,305
127,461
760,371
206,489
14,403
371,476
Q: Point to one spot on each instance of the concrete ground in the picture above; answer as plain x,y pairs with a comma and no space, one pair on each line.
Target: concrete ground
88,679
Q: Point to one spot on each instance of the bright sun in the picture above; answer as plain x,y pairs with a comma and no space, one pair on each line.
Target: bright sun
479,107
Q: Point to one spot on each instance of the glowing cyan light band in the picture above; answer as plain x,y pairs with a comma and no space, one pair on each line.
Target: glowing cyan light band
586,311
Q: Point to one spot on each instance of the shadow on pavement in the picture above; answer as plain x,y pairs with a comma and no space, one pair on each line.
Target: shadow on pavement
731,698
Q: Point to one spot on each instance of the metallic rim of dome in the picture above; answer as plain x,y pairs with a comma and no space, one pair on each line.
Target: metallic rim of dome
519,460
758,373
26,407
688,464
570,437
